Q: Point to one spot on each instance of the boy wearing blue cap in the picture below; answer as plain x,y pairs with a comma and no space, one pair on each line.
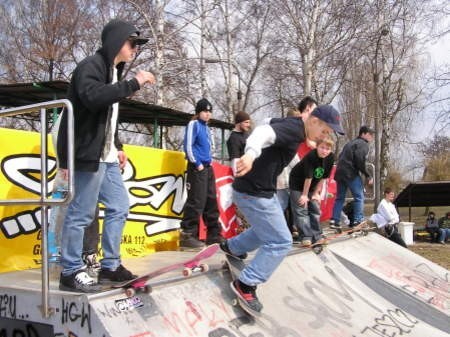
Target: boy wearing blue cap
268,150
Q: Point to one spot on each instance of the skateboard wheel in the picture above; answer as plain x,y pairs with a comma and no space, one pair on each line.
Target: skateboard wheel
130,292
147,289
204,267
187,272
234,302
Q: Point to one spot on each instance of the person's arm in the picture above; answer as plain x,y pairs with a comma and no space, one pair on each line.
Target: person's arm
303,200
318,190
263,136
191,131
359,156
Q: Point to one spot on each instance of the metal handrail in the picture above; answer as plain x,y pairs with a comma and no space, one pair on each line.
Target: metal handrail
44,201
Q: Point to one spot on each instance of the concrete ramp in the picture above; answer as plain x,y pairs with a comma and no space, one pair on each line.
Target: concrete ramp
309,295
399,267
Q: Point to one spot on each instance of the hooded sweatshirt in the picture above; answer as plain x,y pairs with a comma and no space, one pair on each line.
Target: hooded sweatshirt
92,95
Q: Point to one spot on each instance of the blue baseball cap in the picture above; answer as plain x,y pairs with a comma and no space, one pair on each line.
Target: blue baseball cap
329,115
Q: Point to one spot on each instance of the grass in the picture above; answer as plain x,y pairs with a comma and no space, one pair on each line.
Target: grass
437,253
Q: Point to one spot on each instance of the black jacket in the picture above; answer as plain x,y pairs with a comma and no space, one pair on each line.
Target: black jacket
352,160
92,96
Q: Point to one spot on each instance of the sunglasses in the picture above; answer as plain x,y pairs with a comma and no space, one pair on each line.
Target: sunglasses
133,43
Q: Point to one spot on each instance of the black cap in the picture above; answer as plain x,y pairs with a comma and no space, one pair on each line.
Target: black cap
366,129
138,40
203,105
329,115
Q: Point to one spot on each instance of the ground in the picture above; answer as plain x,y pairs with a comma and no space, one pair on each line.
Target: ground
439,254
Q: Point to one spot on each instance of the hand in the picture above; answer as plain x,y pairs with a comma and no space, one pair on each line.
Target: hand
200,167
122,159
316,197
303,200
143,77
64,174
370,181
244,165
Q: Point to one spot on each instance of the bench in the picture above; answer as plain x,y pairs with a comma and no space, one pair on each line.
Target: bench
420,233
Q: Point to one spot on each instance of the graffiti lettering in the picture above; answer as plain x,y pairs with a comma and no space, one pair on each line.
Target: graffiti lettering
71,312
154,192
8,306
18,328
393,323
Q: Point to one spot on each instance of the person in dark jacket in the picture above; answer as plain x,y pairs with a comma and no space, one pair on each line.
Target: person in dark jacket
200,181
95,90
269,149
351,164
238,137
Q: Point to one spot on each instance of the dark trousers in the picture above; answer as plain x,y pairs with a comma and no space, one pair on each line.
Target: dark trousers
393,235
91,236
434,233
201,202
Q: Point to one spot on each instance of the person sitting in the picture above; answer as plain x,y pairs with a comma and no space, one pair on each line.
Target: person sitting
432,227
444,226
388,218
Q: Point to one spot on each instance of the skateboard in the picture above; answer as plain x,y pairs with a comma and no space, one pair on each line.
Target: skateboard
193,265
235,266
316,247
361,229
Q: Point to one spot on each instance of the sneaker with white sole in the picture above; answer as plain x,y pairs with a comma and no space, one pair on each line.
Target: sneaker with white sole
247,294
79,281
92,264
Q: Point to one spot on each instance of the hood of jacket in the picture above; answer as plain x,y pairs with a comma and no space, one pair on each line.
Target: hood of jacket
114,35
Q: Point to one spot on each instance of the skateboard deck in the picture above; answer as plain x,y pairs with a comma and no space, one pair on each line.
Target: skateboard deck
360,230
188,268
236,265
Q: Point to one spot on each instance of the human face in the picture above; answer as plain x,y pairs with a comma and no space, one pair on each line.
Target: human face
367,136
323,150
244,126
308,110
316,129
204,115
390,196
127,53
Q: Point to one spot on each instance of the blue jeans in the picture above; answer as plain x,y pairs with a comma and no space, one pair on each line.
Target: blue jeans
357,189
444,234
306,219
105,186
268,233
283,197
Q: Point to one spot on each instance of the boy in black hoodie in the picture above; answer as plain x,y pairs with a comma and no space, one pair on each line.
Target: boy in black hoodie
95,90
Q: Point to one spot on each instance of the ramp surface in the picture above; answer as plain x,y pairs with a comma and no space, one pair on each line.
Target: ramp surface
399,267
309,295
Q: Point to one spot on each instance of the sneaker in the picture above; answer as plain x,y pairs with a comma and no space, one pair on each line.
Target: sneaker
442,242
335,225
306,243
321,241
187,240
210,240
80,281
93,266
121,274
247,294
224,246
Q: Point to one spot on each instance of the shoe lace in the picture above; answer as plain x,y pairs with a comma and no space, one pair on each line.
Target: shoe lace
84,278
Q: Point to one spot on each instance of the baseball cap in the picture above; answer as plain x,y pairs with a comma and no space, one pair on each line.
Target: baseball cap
329,115
138,40
203,105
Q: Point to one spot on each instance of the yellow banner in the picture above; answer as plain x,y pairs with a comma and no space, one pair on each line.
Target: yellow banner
154,179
